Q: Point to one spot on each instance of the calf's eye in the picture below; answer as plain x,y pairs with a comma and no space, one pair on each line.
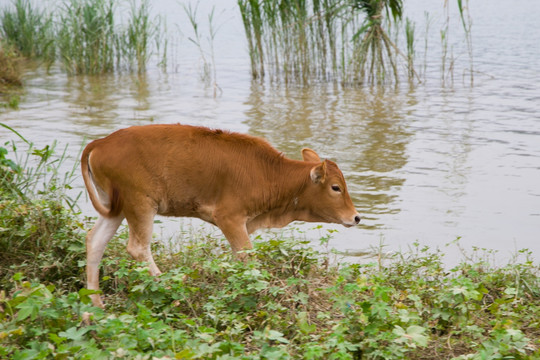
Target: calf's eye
336,188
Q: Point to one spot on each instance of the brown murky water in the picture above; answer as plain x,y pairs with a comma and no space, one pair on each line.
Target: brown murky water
427,162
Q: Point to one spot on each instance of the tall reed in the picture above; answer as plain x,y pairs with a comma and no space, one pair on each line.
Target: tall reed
207,54
86,33
86,37
304,41
375,58
196,39
466,21
29,30
409,35
448,58
136,42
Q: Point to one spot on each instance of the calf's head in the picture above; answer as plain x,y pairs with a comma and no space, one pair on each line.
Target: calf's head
327,194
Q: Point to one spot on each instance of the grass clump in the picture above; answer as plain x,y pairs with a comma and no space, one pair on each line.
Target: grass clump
84,35
139,33
29,30
339,40
38,232
92,42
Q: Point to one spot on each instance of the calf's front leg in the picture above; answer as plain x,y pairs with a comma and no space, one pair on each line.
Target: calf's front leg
234,229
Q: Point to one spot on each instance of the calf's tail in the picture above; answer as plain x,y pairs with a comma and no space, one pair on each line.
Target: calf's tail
115,200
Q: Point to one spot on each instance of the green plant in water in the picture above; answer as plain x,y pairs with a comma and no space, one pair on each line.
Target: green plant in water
292,40
374,53
140,31
29,30
208,70
466,21
87,36
305,41
409,34
91,42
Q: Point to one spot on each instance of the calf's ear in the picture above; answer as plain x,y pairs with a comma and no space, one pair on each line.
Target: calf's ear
310,155
318,173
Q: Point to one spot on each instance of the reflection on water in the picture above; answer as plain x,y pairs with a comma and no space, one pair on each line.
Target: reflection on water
423,162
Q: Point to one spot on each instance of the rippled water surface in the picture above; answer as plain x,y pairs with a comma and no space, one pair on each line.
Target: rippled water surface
427,162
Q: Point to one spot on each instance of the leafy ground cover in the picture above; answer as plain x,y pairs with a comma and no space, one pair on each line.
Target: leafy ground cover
286,302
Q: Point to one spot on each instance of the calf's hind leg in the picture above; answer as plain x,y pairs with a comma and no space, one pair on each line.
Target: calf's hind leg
96,241
140,237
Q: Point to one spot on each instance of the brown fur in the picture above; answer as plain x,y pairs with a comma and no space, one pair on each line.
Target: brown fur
238,182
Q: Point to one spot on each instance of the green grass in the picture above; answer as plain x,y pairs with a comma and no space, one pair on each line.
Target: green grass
84,35
140,31
285,302
38,230
29,30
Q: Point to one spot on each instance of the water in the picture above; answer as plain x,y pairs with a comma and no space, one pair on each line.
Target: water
426,162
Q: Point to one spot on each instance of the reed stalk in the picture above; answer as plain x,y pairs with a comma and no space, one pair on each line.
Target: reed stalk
426,37
466,21
196,39
138,35
409,34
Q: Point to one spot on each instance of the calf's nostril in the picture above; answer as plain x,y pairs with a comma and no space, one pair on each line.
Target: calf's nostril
357,219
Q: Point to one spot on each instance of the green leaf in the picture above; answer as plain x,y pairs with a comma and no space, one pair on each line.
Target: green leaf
74,333
414,335
84,295
18,276
28,308
304,325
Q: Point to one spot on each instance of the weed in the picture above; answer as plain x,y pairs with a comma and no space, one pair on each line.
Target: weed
38,234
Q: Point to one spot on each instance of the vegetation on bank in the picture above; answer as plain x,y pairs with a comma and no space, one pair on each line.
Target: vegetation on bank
287,301
10,76
352,42
85,35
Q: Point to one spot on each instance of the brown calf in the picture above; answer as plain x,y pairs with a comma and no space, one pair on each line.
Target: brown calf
237,182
